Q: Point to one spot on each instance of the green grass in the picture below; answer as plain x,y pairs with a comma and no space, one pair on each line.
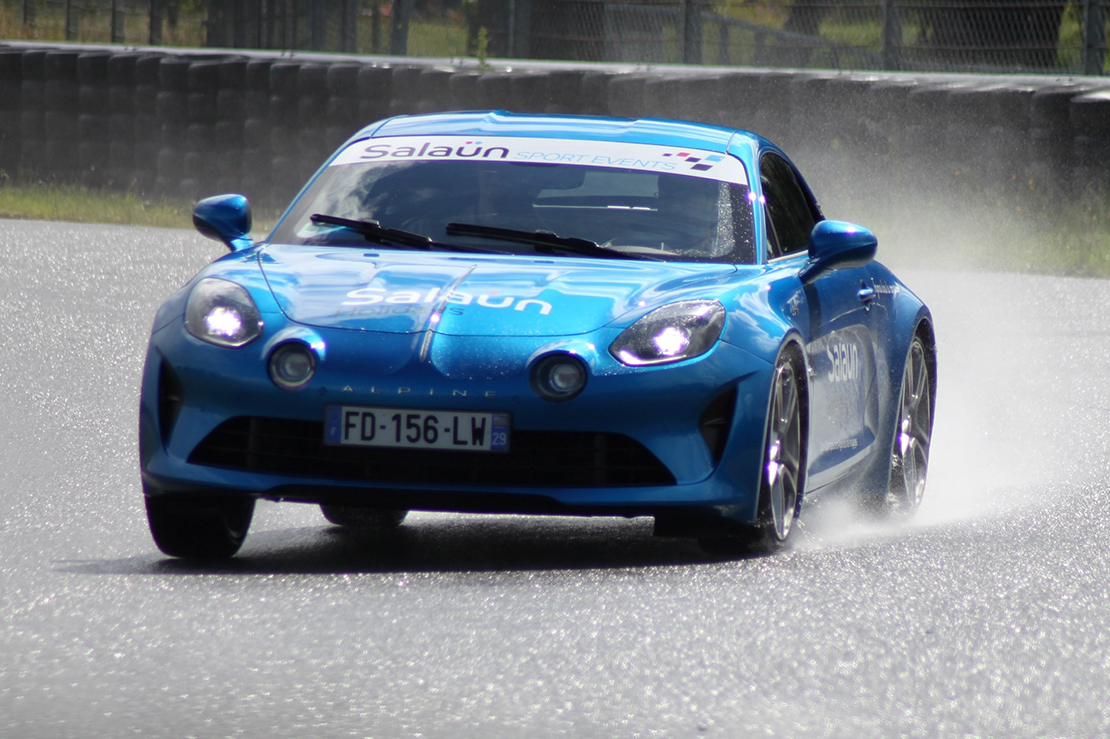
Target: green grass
437,39
83,205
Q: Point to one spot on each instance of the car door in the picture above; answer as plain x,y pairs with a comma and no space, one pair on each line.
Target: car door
840,343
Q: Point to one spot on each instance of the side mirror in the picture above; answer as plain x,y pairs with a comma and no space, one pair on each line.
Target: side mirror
837,245
225,218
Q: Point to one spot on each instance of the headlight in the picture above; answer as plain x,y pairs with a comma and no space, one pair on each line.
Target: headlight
671,333
222,313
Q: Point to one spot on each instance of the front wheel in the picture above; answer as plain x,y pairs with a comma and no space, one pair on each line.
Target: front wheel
199,527
783,472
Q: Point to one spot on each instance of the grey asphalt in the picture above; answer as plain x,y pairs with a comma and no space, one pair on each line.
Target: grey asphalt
986,617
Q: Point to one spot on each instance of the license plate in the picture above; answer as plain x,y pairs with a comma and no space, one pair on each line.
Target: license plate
416,429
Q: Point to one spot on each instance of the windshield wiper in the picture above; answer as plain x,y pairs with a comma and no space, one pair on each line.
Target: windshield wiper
386,235
545,242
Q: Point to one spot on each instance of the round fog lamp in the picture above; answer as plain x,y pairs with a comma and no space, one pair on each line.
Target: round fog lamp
558,377
292,365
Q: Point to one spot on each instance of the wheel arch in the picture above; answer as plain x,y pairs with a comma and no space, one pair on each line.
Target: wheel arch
923,329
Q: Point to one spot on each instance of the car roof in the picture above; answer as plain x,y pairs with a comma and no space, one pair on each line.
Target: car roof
593,128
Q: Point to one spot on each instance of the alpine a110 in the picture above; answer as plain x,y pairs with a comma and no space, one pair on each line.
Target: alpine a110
537,314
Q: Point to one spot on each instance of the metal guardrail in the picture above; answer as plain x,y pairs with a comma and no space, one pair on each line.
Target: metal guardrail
1052,36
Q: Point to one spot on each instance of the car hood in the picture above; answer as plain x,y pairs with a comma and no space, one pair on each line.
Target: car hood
473,295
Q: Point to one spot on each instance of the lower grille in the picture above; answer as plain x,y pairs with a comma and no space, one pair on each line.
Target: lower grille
169,400
535,459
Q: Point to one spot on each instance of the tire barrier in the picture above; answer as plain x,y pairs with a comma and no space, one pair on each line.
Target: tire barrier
343,115
228,139
11,92
186,125
94,121
312,145
147,127
122,91
32,109
60,122
257,156
172,109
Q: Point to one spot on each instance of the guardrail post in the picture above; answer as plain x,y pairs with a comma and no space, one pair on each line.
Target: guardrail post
155,35
892,35
399,35
116,31
318,26
70,22
28,14
375,29
723,52
691,32
348,27
1094,36
760,54
239,26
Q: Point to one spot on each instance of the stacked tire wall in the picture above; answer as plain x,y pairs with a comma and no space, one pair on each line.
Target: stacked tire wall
184,125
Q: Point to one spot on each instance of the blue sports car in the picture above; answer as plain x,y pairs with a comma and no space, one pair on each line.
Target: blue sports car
490,312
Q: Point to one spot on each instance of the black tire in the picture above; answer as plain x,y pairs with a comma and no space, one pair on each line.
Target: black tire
782,481
909,456
199,527
363,519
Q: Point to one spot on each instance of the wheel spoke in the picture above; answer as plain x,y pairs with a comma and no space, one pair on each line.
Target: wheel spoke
790,403
921,435
921,378
777,507
790,458
909,467
790,482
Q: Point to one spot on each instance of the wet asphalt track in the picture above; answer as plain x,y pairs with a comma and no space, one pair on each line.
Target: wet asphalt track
988,616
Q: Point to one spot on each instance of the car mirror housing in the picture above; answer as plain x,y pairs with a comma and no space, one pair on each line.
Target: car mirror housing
226,218
837,245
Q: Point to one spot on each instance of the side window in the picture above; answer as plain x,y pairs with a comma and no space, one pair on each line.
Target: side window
788,207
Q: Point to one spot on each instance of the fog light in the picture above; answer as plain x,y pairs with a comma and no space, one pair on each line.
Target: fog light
558,377
292,365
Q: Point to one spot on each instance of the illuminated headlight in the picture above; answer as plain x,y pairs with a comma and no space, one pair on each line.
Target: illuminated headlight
558,377
671,333
292,365
222,313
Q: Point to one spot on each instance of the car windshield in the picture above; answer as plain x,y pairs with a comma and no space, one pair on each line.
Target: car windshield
634,211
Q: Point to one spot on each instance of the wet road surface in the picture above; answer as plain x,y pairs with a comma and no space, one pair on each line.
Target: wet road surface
988,616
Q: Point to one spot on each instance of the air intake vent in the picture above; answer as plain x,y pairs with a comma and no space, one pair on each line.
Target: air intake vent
535,459
169,400
716,421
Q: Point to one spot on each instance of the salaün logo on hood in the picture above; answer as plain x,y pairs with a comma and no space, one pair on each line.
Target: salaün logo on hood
365,296
646,157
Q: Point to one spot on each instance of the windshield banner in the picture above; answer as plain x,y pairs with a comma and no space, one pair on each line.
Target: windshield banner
579,152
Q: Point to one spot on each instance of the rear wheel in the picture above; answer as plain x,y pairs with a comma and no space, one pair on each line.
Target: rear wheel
909,459
364,519
781,481
199,527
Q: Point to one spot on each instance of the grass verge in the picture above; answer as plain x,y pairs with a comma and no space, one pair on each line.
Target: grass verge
59,202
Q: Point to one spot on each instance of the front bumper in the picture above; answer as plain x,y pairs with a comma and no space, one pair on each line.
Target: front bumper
633,442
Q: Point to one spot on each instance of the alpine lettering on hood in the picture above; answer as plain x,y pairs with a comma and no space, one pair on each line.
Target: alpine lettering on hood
393,292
